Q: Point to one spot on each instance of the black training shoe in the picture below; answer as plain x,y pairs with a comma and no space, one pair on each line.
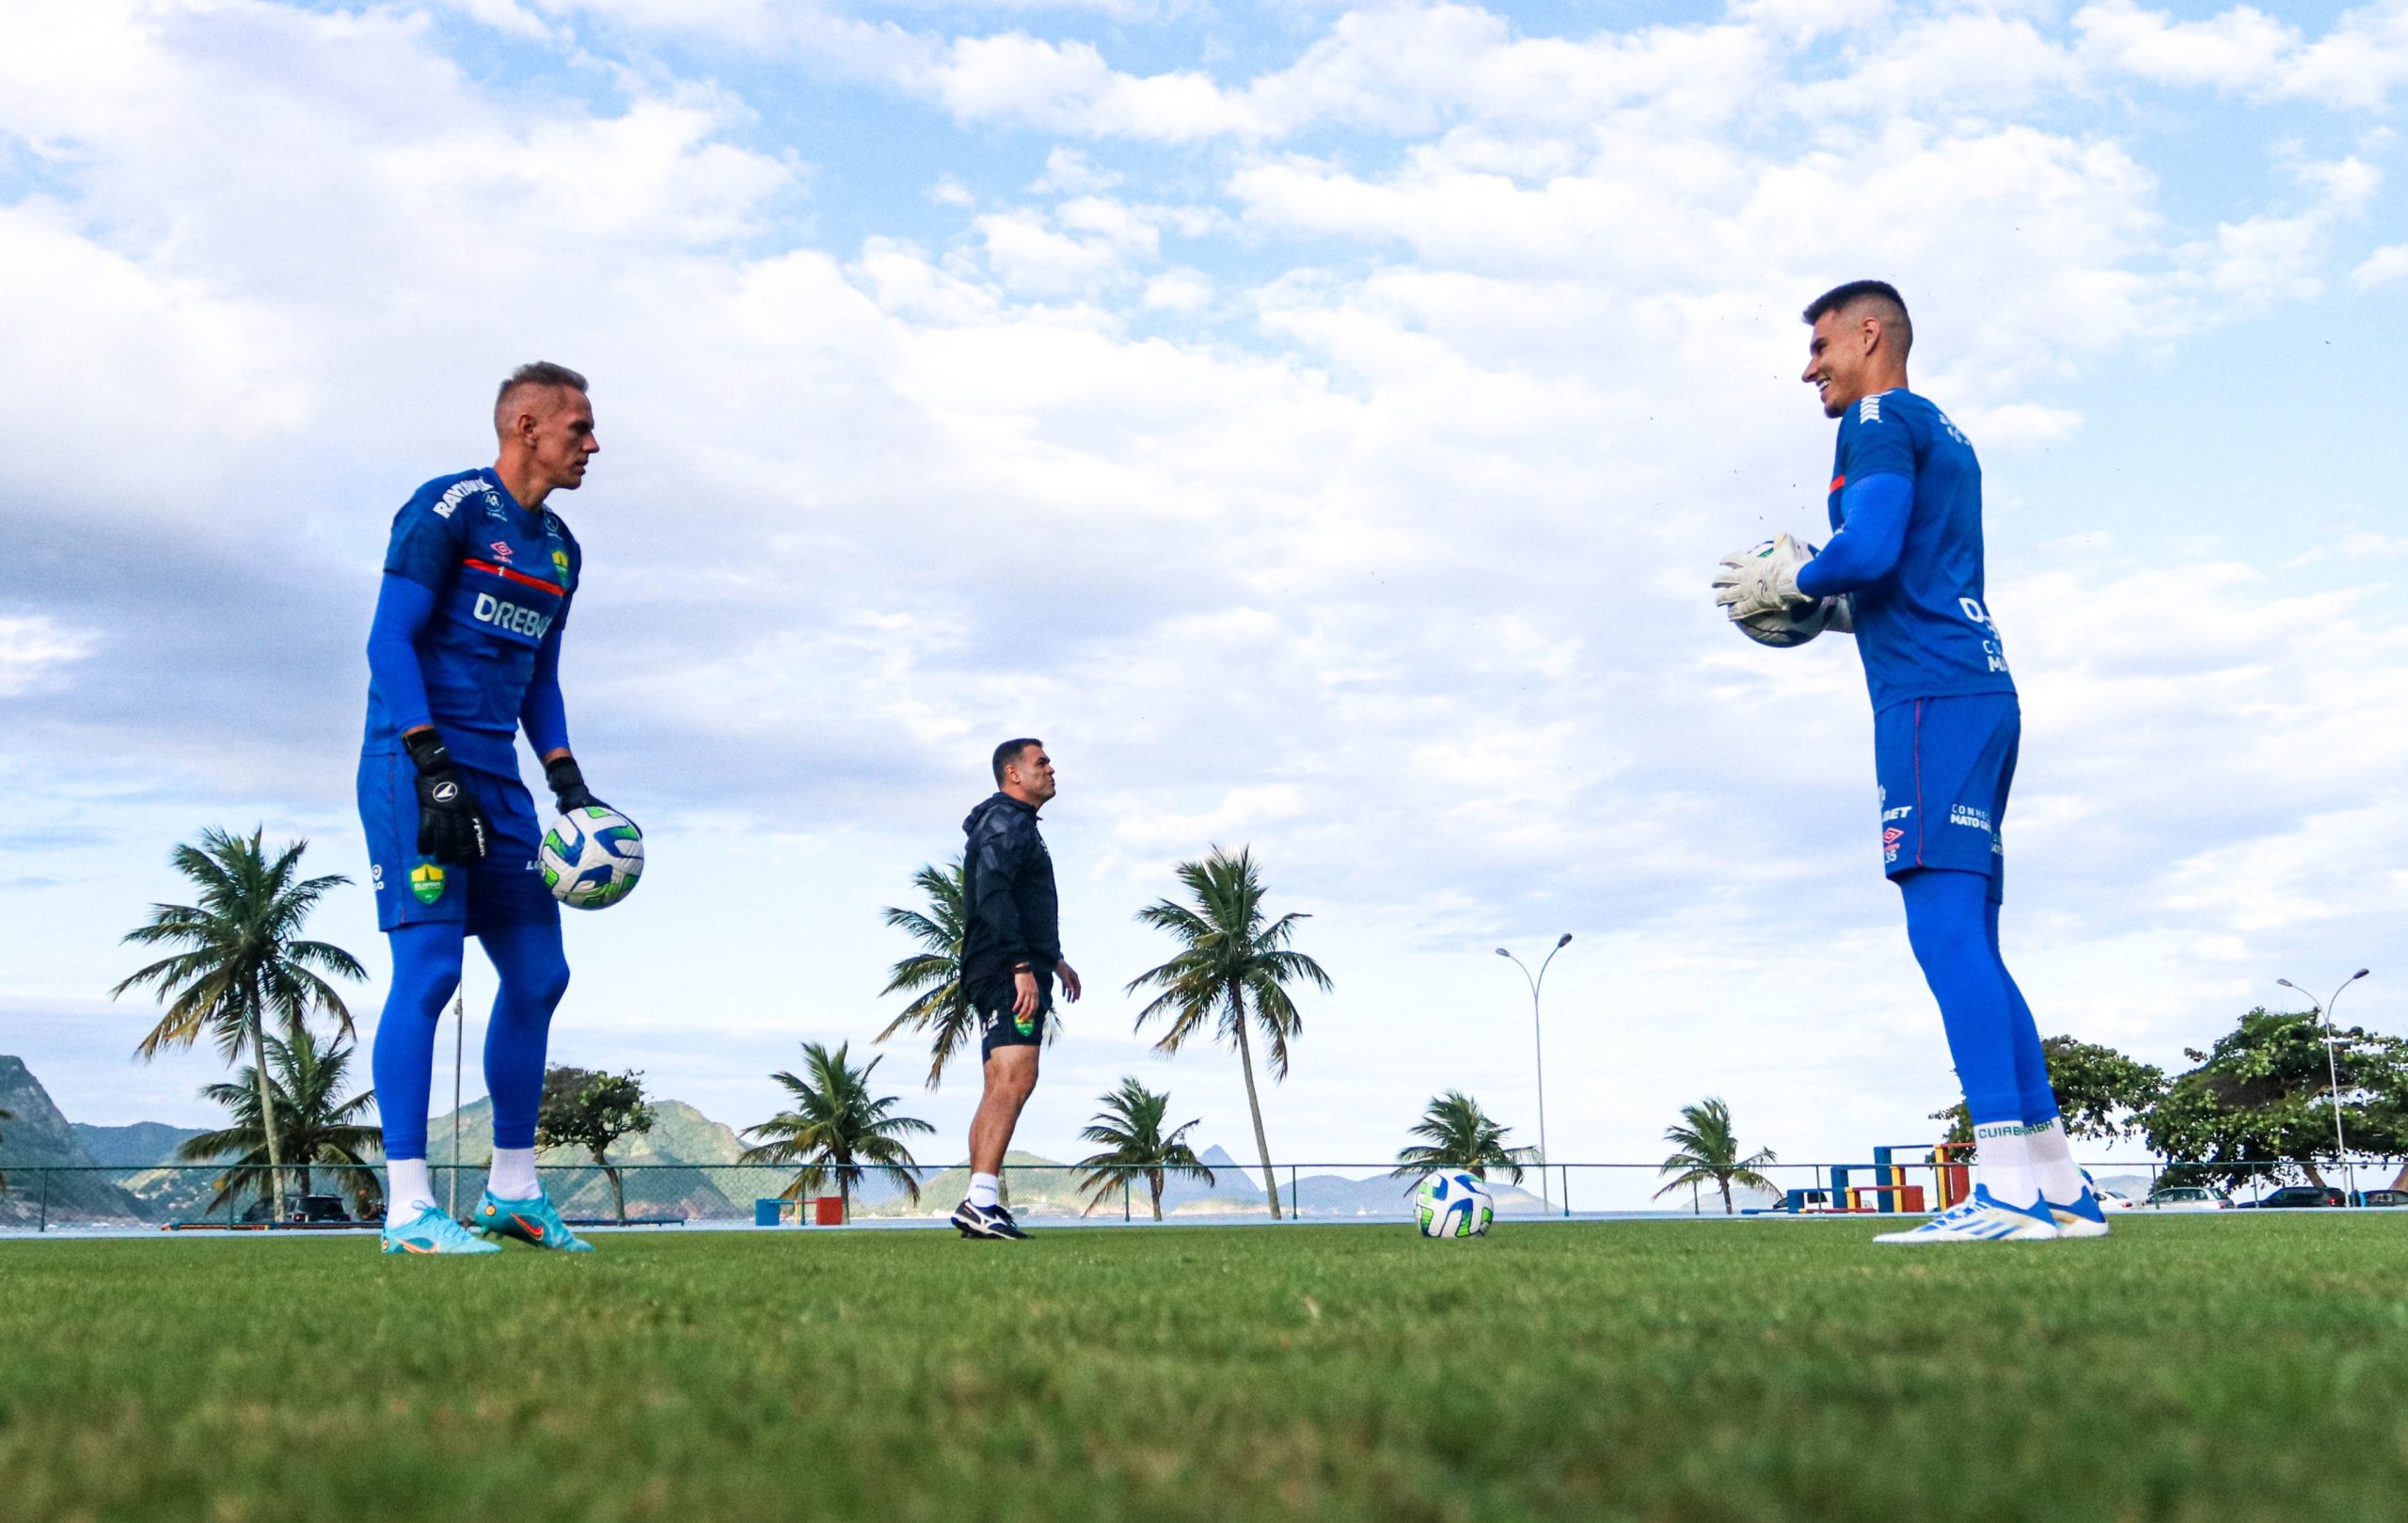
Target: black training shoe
986,1221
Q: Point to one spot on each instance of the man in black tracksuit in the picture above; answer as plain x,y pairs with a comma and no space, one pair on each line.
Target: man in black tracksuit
1011,951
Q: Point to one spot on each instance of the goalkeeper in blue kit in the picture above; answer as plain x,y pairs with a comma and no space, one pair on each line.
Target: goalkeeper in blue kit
1904,567
463,650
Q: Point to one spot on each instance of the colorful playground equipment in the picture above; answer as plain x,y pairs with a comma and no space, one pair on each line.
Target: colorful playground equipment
1884,1189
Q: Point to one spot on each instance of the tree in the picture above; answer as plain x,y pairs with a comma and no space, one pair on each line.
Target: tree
1130,1126
2101,1094
1231,972
1457,1134
2264,1092
932,976
582,1108
241,960
316,1121
1709,1150
837,1129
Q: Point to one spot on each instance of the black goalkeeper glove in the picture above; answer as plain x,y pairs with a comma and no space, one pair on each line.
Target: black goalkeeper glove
568,785
451,826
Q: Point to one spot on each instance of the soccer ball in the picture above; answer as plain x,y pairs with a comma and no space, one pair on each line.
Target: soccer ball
1780,628
591,857
1453,1203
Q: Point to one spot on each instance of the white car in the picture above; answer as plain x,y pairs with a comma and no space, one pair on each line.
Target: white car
2187,1197
2112,1199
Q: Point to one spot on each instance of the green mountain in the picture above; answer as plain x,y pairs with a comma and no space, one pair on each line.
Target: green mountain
138,1146
38,1137
669,1185
1041,1188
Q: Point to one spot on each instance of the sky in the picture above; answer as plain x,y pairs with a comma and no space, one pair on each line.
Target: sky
1318,421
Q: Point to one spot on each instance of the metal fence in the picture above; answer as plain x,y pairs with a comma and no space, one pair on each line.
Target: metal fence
211,1196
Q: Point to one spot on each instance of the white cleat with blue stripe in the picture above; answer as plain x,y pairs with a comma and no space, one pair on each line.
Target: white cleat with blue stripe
1983,1218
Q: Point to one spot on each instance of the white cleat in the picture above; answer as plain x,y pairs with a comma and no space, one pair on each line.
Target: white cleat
1981,1219
2083,1218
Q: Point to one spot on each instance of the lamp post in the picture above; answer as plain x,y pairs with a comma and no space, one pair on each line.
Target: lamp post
1538,1049
2333,1070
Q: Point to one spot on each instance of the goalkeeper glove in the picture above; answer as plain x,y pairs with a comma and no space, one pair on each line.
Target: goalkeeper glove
568,785
1762,580
451,825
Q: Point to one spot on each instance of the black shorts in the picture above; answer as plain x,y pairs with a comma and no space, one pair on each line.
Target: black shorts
998,1026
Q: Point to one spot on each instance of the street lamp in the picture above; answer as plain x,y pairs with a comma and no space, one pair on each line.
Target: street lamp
1538,1047
2333,1070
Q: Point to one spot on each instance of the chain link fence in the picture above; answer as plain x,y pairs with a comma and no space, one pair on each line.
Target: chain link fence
321,1197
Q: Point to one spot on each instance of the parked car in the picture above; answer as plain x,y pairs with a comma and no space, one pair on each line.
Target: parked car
2187,1197
2383,1197
2295,1197
2112,1199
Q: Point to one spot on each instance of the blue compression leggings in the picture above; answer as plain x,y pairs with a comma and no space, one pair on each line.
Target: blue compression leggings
426,969
1953,927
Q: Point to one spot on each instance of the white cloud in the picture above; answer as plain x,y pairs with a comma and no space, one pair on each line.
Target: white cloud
32,649
2381,267
1068,88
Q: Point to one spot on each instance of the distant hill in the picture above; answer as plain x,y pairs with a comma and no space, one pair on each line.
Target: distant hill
1041,1187
1238,1187
138,1146
39,1136
682,1136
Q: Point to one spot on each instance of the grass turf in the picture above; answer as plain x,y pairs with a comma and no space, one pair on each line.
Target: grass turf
2200,1368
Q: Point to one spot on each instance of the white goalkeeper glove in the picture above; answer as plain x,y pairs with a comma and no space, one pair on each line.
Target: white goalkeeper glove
1762,580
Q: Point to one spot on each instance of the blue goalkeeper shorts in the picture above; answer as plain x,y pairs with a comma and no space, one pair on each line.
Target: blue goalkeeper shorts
414,890
1945,766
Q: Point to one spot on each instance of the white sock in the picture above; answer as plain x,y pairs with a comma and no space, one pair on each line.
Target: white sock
2052,1159
512,1174
409,1189
2003,1155
985,1190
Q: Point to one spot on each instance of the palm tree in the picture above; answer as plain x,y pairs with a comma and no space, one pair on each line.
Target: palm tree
1457,1134
933,974
316,1121
1709,1150
1232,971
837,1129
1131,1128
241,959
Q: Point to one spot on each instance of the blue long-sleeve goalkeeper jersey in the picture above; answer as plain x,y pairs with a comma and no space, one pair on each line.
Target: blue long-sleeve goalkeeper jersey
502,579
1909,548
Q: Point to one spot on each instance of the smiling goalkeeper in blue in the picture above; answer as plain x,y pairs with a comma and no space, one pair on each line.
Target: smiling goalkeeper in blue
1903,572
465,647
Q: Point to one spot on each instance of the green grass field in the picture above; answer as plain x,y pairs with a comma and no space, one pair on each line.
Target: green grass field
2189,1368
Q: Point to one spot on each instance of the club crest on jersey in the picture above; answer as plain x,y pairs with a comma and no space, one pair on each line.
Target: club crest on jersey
559,564
426,883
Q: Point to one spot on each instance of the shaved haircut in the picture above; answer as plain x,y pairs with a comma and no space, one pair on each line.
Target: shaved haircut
541,372
1880,298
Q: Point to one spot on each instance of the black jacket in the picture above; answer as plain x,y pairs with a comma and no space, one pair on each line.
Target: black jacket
1007,888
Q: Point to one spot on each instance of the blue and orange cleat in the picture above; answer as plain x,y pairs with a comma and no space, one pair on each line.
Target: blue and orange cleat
535,1223
431,1231
2083,1218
